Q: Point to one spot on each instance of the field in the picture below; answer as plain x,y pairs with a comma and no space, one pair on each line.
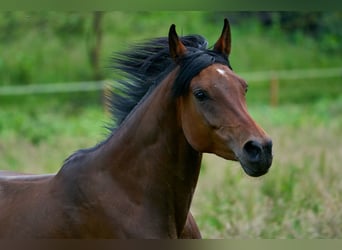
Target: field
300,197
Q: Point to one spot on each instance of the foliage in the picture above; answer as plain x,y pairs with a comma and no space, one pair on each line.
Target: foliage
45,47
321,26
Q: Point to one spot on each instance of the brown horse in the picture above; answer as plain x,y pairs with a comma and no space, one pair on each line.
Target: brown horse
177,100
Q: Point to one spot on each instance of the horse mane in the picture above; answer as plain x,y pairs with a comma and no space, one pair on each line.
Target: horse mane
143,67
146,64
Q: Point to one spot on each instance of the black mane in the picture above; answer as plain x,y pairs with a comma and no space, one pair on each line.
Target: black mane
145,65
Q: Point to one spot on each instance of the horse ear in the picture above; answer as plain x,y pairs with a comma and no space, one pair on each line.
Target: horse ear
223,44
176,47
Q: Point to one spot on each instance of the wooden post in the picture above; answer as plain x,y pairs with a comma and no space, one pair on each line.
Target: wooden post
96,44
274,90
107,98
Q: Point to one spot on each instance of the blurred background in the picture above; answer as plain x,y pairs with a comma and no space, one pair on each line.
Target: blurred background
55,68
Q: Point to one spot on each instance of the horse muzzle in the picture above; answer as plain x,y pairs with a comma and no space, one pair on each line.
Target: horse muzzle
256,157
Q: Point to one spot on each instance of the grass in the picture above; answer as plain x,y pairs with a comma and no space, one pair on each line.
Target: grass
39,143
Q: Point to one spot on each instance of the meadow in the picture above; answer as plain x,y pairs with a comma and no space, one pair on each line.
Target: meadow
300,197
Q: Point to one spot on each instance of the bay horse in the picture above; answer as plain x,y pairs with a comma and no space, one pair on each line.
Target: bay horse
177,100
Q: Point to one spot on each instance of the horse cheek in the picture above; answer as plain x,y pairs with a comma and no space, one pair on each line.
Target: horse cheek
195,131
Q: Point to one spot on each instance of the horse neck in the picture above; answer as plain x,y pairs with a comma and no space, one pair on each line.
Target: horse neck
149,154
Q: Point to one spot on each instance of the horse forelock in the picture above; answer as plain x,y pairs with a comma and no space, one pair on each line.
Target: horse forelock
192,64
145,65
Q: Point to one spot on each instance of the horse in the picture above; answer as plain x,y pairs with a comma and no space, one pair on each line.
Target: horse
176,99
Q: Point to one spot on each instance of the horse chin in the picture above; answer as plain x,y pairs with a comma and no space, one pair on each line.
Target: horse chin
253,172
255,169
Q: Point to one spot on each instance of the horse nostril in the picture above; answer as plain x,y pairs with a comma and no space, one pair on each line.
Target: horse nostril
253,150
268,147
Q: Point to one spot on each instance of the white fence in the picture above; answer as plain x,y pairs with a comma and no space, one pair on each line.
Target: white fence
52,88
272,76
294,74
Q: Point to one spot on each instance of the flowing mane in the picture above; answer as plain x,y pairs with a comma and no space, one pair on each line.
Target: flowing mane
146,64
143,66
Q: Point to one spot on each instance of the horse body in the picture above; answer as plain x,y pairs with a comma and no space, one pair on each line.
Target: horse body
127,193
21,201
140,181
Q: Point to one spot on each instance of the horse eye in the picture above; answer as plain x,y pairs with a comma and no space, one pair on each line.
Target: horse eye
201,95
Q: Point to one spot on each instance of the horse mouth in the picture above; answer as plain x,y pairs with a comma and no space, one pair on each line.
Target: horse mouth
254,172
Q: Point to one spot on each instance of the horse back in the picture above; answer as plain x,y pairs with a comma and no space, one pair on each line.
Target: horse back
23,198
4,174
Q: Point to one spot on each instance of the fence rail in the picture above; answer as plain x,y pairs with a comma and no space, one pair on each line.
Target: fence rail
273,77
295,74
53,88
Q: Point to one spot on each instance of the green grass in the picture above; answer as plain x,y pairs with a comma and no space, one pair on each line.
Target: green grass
38,142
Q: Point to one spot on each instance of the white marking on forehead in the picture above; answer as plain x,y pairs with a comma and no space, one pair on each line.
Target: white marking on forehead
221,71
